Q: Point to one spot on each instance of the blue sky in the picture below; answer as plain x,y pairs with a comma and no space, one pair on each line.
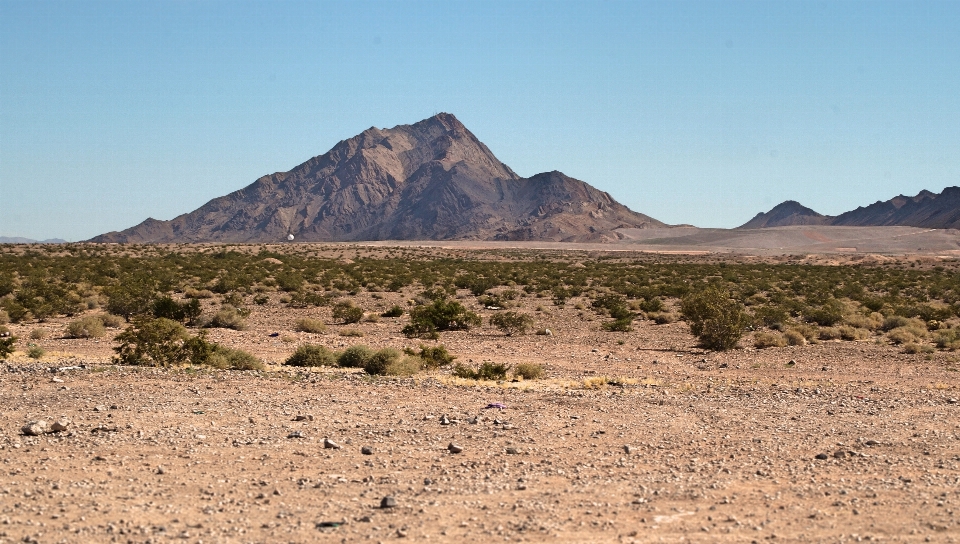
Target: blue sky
691,112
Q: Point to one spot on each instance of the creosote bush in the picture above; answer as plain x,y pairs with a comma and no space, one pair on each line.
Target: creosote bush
90,326
164,342
512,323
312,355
7,343
715,318
394,311
434,356
528,371
763,340
440,315
228,317
311,325
36,352
486,371
346,312
354,357
382,362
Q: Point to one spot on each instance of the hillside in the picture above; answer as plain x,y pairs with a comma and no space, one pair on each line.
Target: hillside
433,180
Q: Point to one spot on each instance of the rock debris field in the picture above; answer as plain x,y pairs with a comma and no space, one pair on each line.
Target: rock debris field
632,437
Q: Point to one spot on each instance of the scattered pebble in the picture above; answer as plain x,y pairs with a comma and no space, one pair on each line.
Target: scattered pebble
366,450
35,428
453,448
330,444
388,502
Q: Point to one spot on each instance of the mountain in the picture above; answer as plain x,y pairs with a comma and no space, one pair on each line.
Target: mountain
786,213
433,180
925,210
20,240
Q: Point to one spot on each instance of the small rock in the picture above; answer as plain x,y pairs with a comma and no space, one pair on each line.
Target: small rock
60,425
296,434
330,444
825,369
444,420
366,450
453,448
56,380
821,456
512,451
303,418
872,443
427,481
388,502
628,449
35,428
839,454
474,420
99,408
200,436
401,533
951,400
160,470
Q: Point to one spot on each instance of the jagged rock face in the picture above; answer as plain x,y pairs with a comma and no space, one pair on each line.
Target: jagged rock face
785,214
926,210
433,180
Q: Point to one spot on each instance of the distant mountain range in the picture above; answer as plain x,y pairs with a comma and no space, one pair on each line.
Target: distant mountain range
19,240
433,180
926,210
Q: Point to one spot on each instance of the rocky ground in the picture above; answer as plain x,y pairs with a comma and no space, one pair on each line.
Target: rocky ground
636,436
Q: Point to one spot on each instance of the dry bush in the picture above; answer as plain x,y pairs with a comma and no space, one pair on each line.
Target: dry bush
111,321
512,323
528,371
86,327
914,348
36,352
4,317
763,340
346,312
794,338
190,292
288,338
872,322
854,333
228,317
38,334
382,361
351,333
308,324
406,366
949,339
663,318
907,334
829,333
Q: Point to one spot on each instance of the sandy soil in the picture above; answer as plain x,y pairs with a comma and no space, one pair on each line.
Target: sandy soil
635,436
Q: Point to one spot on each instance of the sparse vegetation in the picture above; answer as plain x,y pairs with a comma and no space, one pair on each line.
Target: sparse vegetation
487,370
440,315
346,312
311,355
715,318
311,325
90,326
512,323
528,371
36,352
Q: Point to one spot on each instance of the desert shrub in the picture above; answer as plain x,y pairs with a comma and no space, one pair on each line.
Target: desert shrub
827,314
763,340
394,311
872,322
371,318
528,371
463,371
441,315
311,355
614,304
153,342
351,333
36,352
86,327
914,347
434,357
187,311
227,317
132,297
949,339
810,332
512,323
190,292
907,334
354,357
771,316
346,312
405,366
794,338
202,352
110,320
380,362
4,317
260,300
492,371
895,321
7,342
654,304
619,325
715,319
38,334
829,333
663,318
853,333
308,324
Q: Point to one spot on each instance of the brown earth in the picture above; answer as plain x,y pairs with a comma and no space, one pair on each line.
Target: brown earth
722,446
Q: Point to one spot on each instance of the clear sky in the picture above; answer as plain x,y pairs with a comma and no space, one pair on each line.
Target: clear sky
691,112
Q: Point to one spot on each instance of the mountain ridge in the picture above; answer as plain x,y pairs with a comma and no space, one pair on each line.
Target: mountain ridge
431,180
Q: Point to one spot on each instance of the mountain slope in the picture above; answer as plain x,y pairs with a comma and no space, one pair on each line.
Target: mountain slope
925,210
430,180
786,214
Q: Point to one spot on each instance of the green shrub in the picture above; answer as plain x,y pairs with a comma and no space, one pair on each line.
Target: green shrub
827,314
435,357
202,352
131,298
354,357
7,342
762,340
907,334
308,324
715,318
153,342
771,316
853,333
492,371
829,333
663,318
110,320
311,355
345,312
528,371
380,362
619,325
228,317
949,339
38,334
441,315
36,352
914,347
895,321
512,323
652,305
86,327
463,371
394,311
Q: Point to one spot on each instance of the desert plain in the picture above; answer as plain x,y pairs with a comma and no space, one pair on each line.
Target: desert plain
638,436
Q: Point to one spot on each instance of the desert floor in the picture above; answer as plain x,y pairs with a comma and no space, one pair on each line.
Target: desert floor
637,436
